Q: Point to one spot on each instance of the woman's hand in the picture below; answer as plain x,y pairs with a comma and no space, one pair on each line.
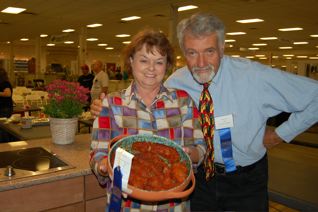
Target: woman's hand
102,167
96,106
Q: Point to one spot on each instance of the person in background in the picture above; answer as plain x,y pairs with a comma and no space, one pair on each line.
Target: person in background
86,80
6,102
244,93
146,106
101,80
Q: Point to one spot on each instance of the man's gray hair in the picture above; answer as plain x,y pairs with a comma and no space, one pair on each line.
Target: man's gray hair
200,24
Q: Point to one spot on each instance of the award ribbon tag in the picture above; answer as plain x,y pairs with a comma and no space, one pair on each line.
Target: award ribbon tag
123,159
115,198
223,125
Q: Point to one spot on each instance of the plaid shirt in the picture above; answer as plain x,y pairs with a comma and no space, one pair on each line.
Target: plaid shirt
172,115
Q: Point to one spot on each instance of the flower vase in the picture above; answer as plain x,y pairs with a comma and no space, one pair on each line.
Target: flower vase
63,130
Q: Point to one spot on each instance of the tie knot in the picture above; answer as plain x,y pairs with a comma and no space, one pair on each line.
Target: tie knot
206,85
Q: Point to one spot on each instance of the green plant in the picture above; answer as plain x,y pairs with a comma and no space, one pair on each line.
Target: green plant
65,99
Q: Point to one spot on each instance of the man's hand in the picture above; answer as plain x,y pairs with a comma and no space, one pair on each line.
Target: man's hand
193,153
271,138
96,106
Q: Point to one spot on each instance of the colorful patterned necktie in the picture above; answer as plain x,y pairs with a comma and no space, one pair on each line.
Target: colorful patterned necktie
207,124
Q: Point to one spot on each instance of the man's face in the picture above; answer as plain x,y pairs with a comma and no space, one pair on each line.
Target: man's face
203,56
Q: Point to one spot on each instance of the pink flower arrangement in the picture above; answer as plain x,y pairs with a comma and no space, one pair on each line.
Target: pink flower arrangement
66,99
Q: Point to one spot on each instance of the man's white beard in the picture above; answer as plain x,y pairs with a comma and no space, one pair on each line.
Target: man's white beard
203,78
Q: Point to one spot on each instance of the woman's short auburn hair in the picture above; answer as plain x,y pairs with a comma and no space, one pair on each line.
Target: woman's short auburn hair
153,40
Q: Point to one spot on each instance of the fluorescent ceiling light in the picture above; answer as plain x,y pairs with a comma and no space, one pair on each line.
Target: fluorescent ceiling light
68,30
313,58
300,43
259,44
43,35
102,44
13,10
122,35
235,55
109,48
302,56
260,55
50,44
290,29
314,36
126,42
275,57
24,39
187,7
269,38
253,48
262,58
288,55
236,33
130,18
253,20
94,25
285,47
69,42
230,40
249,57
178,57
92,39
229,45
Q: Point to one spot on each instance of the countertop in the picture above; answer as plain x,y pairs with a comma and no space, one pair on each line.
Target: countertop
76,154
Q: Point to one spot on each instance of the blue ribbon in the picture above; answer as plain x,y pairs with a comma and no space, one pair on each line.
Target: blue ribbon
226,148
115,198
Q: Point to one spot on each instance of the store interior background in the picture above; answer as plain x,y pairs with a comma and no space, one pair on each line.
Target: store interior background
33,59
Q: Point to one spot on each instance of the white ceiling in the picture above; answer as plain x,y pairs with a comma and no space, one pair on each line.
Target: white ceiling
52,16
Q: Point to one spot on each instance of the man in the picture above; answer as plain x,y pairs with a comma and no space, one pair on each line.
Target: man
100,82
244,95
86,79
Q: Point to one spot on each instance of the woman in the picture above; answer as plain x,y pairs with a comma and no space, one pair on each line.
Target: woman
6,103
146,106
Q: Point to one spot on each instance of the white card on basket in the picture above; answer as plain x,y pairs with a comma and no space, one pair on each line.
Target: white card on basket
123,159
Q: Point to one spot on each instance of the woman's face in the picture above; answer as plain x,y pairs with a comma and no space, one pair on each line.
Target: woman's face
148,68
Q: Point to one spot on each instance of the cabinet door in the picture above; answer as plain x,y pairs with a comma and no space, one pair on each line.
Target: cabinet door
92,188
44,196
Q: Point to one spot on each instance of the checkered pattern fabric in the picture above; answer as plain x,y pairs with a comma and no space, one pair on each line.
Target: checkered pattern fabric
172,115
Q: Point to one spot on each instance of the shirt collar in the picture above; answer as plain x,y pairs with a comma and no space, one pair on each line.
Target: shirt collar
131,94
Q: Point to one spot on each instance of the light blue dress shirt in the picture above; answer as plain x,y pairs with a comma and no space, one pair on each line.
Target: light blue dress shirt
252,93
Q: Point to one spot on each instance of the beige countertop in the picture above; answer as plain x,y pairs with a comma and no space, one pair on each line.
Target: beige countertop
76,154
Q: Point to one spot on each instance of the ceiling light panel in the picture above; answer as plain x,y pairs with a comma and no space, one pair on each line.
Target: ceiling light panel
300,43
187,7
94,25
290,29
92,39
130,18
122,35
13,10
68,30
236,33
269,38
247,21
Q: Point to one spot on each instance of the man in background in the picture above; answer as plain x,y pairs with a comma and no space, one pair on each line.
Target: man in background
86,79
101,80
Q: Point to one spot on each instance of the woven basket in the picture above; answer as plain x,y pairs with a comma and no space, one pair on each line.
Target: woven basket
63,130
